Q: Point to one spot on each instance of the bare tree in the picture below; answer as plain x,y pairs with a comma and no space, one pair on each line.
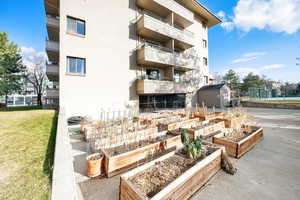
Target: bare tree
36,76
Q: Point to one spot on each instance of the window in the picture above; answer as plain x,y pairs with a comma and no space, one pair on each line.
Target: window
177,76
75,65
205,61
204,43
76,26
153,74
206,79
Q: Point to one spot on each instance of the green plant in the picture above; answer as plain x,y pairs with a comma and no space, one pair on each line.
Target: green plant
192,148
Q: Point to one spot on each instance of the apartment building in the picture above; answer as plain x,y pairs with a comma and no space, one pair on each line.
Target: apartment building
131,53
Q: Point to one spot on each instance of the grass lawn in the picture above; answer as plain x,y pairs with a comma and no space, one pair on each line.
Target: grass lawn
27,139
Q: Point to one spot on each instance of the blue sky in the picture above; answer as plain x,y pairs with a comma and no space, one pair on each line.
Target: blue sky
254,36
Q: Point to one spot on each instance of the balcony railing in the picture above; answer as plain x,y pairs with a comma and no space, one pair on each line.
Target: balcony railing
160,87
176,8
182,15
52,72
152,24
52,46
152,54
52,21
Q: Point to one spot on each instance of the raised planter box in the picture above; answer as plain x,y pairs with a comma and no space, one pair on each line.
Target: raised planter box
207,130
234,122
210,116
117,164
182,187
187,123
237,149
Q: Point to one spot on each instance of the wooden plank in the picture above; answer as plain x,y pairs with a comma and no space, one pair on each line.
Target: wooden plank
248,144
128,191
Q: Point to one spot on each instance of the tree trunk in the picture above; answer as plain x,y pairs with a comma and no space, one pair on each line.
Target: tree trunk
39,100
6,100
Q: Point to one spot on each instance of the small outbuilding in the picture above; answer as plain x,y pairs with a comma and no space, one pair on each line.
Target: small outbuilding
214,95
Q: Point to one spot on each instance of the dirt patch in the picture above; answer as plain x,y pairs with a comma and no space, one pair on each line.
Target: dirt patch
155,178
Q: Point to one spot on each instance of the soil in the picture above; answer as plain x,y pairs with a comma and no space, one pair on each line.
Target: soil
96,156
237,136
129,147
155,178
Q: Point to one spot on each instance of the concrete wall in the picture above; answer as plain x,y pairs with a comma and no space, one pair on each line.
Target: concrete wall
109,48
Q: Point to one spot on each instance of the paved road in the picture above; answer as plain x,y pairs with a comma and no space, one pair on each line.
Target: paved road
269,171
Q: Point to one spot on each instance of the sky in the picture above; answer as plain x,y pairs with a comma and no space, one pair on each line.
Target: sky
260,36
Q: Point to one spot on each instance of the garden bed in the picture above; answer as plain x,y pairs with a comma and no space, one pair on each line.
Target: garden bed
176,124
130,137
124,157
206,129
233,122
208,116
238,146
172,176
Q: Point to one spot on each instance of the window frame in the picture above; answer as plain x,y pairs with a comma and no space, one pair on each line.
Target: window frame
204,43
76,66
76,26
205,61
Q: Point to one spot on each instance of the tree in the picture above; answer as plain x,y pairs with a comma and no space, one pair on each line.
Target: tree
232,79
11,67
36,76
252,81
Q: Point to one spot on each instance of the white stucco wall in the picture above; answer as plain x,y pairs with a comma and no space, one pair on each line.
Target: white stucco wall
106,47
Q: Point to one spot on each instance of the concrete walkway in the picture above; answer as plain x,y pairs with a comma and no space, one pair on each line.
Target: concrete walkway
269,171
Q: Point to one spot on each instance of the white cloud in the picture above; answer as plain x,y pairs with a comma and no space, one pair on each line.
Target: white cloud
253,54
249,56
227,25
239,60
274,15
258,70
31,57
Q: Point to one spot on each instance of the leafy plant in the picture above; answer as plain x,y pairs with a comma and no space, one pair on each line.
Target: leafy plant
192,148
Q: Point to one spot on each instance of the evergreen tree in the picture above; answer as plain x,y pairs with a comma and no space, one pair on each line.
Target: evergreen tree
11,67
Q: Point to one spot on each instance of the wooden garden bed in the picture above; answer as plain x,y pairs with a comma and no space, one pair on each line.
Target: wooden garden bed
209,116
239,148
232,123
172,125
206,130
116,164
181,180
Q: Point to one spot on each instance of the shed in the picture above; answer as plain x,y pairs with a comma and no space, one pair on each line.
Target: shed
214,95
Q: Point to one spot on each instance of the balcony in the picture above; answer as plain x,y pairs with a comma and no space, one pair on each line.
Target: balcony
52,7
163,57
182,16
53,27
52,72
52,45
160,87
52,49
52,92
157,30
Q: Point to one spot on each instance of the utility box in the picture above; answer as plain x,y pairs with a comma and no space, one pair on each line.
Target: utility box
214,95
